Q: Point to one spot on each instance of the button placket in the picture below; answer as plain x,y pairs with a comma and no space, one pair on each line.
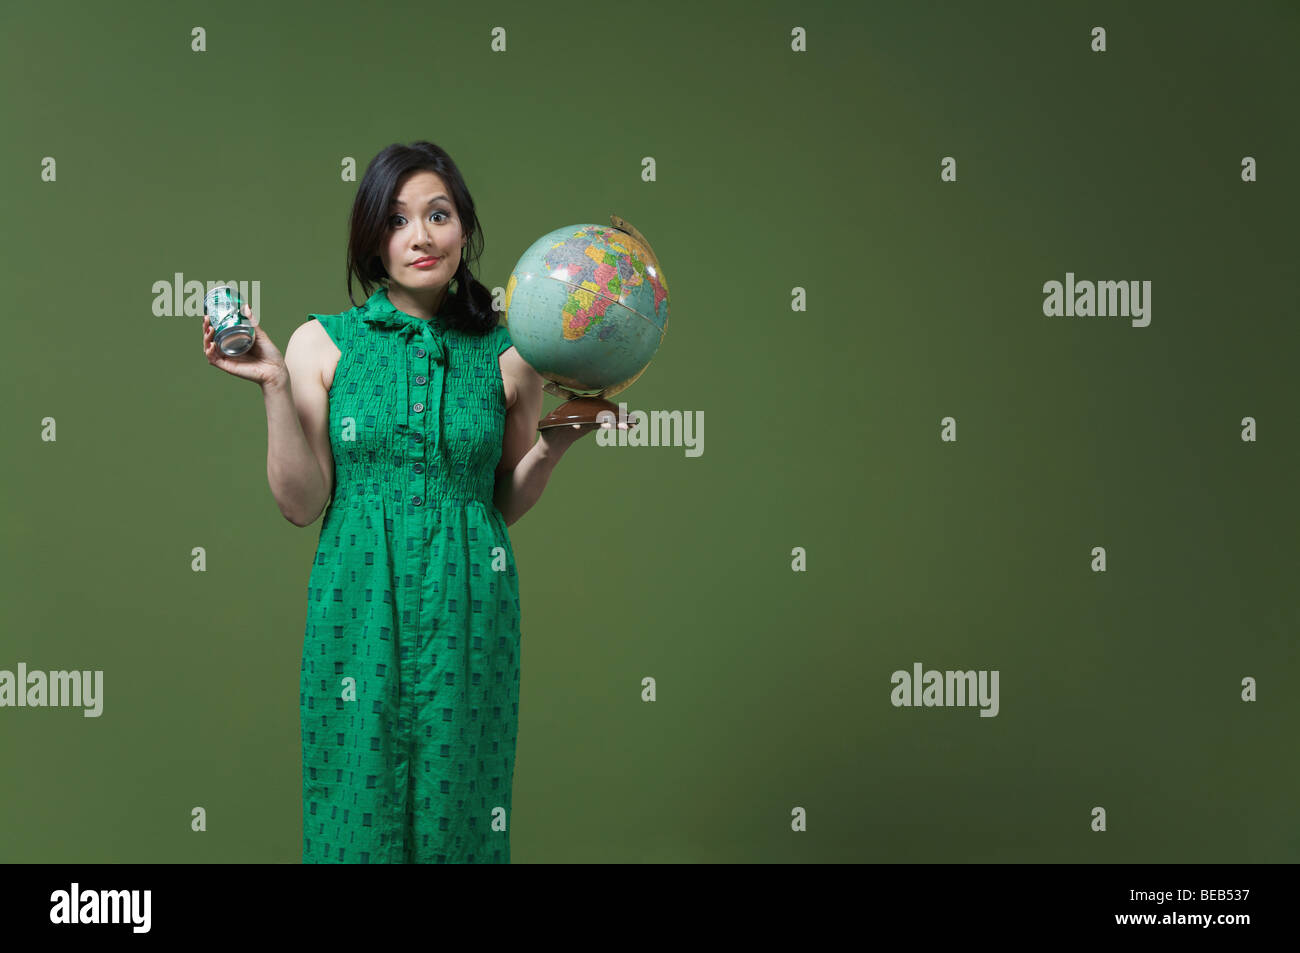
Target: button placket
424,401
424,363
417,394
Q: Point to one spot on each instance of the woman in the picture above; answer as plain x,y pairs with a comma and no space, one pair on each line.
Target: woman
416,403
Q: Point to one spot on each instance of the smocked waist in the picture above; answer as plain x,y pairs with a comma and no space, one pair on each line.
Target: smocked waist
406,492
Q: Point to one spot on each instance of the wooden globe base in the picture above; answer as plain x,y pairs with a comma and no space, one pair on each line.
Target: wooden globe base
579,410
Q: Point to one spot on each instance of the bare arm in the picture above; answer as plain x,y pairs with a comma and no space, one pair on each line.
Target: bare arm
299,463
526,462
527,455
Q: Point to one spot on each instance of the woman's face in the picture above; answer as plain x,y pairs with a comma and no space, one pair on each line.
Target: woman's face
422,221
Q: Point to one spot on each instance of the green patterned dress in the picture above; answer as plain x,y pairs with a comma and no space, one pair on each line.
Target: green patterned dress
410,663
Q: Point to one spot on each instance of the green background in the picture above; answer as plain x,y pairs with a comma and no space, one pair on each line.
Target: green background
776,170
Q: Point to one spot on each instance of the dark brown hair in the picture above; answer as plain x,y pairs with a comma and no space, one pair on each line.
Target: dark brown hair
468,303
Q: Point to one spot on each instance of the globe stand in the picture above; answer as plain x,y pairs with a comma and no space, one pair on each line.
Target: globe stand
578,410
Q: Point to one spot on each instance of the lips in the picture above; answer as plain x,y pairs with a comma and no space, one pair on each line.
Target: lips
426,261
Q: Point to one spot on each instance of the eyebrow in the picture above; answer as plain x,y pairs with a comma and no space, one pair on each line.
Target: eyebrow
395,203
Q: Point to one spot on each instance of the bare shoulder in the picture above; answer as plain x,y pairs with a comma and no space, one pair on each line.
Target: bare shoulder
517,376
312,352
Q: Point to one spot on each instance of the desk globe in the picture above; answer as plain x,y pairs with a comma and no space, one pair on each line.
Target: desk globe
587,308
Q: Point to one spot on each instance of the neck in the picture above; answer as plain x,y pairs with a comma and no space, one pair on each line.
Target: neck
424,304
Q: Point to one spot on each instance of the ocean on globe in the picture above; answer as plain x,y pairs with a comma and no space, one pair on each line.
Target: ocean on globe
587,307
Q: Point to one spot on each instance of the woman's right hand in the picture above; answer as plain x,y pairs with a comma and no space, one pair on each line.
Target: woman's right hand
262,362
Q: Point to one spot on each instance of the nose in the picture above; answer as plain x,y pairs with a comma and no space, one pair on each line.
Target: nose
422,235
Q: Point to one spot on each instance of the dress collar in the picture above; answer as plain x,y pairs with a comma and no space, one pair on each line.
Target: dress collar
382,313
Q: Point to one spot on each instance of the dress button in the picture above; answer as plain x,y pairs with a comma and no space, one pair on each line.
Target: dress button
419,352
417,501
418,468
418,408
419,379
418,437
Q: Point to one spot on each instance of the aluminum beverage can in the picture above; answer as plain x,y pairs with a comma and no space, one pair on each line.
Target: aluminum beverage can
234,332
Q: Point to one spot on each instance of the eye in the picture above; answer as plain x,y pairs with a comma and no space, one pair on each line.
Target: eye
392,219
